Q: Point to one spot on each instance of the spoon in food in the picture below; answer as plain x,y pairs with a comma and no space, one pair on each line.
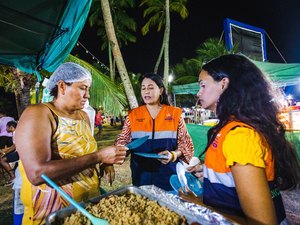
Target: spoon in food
93,219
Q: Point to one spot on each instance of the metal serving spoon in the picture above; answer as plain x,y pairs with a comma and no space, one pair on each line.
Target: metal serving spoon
93,219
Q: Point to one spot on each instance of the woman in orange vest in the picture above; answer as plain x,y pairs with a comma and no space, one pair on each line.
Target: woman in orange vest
247,159
167,135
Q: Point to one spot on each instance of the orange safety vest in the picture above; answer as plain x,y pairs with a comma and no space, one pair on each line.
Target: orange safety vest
219,188
162,132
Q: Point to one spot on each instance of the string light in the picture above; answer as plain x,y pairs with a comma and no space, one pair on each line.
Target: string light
93,56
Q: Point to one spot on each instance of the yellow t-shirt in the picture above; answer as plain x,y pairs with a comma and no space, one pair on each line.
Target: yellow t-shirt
245,146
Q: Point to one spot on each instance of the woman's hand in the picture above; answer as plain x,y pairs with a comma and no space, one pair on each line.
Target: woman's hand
112,154
189,196
2,153
167,153
108,172
197,170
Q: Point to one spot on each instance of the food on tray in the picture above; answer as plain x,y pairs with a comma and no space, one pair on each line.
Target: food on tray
128,209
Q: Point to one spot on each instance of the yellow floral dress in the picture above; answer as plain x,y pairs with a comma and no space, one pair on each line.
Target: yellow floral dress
71,139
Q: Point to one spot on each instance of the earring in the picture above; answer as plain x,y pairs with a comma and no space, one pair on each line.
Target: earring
160,99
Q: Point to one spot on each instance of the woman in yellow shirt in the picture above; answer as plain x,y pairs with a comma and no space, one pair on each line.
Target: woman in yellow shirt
247,158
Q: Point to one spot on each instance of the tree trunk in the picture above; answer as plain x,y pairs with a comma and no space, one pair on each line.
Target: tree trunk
17,98
110,31
159,58
111,69
24,98
166,44
23,95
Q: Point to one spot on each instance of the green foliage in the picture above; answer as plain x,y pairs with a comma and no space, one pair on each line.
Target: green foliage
213,48
124,25
155,9
104,93
186,80
179,7
188,71
8,80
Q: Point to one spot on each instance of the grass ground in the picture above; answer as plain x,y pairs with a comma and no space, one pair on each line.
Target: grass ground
123,176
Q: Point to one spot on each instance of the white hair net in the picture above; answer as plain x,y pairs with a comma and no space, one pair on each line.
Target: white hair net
68,72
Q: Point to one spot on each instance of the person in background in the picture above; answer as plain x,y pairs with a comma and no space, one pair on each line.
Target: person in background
247,159
167,135
99,122
17,184
55,139
9,155
5,137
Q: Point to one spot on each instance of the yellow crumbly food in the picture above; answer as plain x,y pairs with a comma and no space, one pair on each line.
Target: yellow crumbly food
128,209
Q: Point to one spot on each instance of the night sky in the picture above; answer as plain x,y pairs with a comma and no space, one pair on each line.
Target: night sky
280,19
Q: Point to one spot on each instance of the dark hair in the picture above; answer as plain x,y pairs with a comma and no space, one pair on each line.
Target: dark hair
250,98
159,82
54,91
12,124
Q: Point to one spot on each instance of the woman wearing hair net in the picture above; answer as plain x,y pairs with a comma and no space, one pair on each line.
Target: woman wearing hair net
55,139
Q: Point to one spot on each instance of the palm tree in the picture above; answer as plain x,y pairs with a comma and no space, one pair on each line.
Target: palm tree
111,35
213,48
188,71
159,10
124,25
18,82
104,92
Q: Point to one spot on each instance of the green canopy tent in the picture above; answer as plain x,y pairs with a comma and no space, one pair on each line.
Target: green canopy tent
185,89
40,34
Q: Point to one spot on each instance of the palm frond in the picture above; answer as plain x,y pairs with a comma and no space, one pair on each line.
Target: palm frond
103,92
186,80
179,8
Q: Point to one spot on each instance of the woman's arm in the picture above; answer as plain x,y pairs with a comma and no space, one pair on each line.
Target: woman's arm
254,194
9,149
185,148
125,136
33,141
